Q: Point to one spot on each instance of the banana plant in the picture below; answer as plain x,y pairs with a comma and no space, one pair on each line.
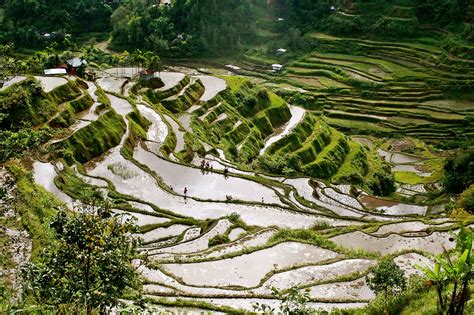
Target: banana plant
458,272
439,278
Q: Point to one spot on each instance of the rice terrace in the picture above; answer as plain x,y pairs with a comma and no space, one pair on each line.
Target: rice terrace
241,157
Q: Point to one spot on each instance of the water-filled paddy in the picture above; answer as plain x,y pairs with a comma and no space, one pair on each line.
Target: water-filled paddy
244,267
212,86
204,185
50,83
247,270
433,243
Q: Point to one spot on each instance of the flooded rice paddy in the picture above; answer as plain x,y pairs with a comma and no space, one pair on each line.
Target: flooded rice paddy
212,86
247,270
249,209
432,243
50,83
297,115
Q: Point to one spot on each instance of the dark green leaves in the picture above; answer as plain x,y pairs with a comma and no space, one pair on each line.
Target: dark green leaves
90,263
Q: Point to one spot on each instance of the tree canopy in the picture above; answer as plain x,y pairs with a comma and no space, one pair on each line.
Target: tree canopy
34,22
186,27
89,263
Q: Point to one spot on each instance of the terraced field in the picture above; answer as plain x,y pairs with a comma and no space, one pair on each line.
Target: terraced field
219,229
382,88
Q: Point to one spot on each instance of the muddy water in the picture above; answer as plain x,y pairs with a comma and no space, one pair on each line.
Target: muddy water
15,79
158,131
343,198
212,86
157,276
306,191
399,158
185,121
392,207
297,115
308,274
256,239
44,174
90,114
363,141
159,233
193,108
248,270
195,245
170,79
408,262
50,83
218,165
412,168
235,233
156,289
352,290
433,243
121,106
414,226
134,186
142,219
111,84
93,181
208,186
221,117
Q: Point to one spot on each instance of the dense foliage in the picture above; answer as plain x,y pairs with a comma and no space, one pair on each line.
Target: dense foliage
28,22
386,278
451,275
459,171
89,263
390,17
187,27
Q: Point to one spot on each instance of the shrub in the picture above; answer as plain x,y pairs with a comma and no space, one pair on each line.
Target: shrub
218,240
383,183
459,172
466,199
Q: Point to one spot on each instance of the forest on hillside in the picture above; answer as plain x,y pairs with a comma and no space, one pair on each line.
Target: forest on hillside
199,27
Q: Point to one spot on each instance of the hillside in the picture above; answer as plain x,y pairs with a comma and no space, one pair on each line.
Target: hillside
250,185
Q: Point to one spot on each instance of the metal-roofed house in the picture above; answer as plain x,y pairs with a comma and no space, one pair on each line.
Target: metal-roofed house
76,65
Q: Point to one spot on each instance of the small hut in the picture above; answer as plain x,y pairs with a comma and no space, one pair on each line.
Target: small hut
277,67
76,66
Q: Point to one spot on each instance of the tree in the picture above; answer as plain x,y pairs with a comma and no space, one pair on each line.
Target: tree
386,278
459,171
8,62
466,199
89,263
453,271
383,182
155,64
292,302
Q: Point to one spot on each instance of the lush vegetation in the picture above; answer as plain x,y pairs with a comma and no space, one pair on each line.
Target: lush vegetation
451,275
36,23
387,279
185,28
89,263
459,178
24,105
385,92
